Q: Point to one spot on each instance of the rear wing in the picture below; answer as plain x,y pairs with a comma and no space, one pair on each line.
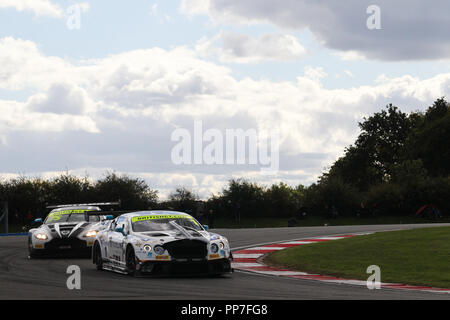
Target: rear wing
108,213
100,204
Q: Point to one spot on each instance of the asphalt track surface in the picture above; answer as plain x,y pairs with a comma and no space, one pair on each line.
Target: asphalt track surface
21,278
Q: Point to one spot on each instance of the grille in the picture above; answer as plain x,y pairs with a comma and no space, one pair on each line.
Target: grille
187,249
65,230
74,244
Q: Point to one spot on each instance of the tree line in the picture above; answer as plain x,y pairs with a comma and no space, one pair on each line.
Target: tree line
398,163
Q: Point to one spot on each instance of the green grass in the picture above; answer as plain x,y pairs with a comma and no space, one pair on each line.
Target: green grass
417,257
318,221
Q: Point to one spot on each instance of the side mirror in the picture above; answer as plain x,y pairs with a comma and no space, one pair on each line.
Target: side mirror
109,217
37,221
120,229
205,227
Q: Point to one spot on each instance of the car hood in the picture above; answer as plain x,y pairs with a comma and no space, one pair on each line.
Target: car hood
166,236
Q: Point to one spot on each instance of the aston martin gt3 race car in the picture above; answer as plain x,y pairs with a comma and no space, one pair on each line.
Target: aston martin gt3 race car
67,229
160,242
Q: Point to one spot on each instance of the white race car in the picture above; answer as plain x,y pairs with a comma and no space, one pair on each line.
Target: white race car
67,229
160,242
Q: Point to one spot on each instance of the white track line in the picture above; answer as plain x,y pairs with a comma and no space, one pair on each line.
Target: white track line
247,255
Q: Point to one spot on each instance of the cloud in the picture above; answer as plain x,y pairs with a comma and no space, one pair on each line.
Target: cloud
61,99
404,24
119,112
241,48
19,117
24,66
38,7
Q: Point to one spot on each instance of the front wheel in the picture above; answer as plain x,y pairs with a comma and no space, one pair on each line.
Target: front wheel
131,262
31,252
97,256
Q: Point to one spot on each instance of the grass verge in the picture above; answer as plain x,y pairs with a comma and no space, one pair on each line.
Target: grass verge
417,257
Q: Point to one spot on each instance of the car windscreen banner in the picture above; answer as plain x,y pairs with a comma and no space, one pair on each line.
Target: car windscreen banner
166,216
55,216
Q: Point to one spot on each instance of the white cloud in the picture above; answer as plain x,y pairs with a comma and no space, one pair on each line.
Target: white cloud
20,117
24,66
61,98
38,7
193,7
241,48
119,112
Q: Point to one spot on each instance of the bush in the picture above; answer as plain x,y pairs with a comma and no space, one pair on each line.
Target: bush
28,197
332,192
431,191
406,199
385,199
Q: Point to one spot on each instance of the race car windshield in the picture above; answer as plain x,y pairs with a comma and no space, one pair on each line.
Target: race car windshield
164,224
68,216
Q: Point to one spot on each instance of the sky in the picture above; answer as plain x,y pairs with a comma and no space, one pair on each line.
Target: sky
95,86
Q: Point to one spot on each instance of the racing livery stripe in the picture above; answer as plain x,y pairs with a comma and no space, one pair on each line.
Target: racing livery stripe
248,260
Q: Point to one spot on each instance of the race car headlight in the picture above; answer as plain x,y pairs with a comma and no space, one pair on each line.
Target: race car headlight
221,245
214,248
147,248
41,236
159,249
91,234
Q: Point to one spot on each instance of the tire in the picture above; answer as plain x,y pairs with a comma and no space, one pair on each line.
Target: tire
97,256
32,254
130,260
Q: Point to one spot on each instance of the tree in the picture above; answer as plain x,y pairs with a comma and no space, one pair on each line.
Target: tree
429,140
282,200
379,146
183,200
244,198
68,189
134,193
383,137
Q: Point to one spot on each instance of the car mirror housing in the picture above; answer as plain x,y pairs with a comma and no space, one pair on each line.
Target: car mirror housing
120,229
205,227
37,221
